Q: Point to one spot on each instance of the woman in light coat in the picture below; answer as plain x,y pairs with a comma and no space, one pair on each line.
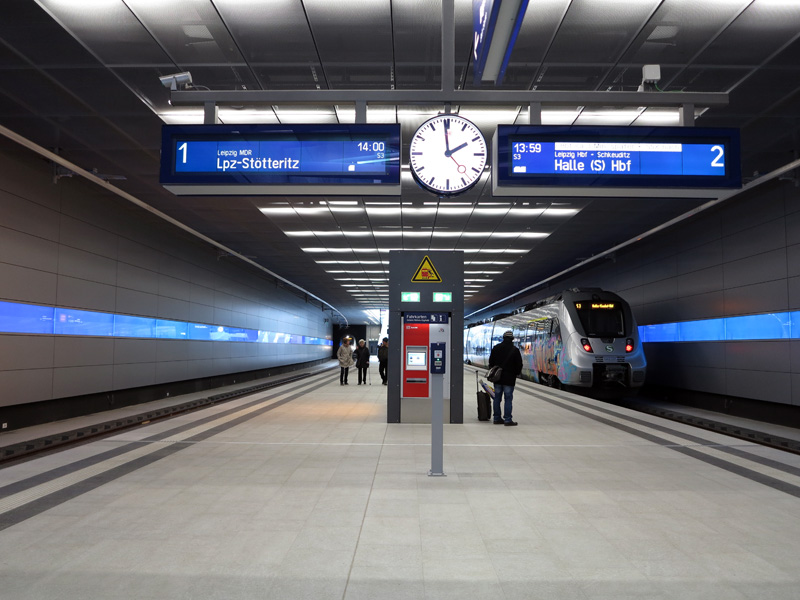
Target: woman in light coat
345,356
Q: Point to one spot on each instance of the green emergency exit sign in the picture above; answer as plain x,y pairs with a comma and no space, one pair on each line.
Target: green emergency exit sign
409,296
442,296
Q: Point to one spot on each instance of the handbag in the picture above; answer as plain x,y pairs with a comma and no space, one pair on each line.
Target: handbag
494,374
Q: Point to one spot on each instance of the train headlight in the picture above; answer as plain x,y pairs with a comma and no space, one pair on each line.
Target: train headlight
586,345
629,345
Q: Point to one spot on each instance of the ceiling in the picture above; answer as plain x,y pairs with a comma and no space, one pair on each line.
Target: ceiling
82,77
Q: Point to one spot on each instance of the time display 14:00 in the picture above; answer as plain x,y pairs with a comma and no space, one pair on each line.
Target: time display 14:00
281,156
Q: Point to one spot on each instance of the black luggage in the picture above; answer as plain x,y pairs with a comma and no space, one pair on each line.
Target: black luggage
484,403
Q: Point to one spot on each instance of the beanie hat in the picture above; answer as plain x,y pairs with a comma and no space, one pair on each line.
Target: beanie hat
508,334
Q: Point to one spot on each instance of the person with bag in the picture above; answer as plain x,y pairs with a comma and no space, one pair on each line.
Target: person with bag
345,356
505,358
362,361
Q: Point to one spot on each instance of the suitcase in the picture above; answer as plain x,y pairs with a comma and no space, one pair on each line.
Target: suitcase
484,403
484,407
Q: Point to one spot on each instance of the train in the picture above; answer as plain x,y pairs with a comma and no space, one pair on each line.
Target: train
582,338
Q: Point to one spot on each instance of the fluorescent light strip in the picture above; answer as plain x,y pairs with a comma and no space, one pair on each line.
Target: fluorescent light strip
465,250
345,271
439,234
354,262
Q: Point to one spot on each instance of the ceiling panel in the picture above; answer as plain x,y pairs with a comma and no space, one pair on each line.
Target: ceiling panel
598,31
354,45
680,29
191,32
110,31
708,79
761,30
563,77
29,26
417,44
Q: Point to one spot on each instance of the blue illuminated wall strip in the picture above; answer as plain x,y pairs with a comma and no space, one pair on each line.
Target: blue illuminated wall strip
769,326
31,318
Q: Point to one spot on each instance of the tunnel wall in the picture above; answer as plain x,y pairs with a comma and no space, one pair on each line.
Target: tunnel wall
72,244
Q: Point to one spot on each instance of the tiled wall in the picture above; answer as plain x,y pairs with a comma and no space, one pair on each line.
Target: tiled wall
740,258
74,245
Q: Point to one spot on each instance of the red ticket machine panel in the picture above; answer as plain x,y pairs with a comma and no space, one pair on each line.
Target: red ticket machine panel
415,360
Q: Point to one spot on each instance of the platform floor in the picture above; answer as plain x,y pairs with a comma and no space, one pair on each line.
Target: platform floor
304,491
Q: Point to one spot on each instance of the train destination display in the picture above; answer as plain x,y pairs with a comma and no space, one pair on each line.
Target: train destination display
281,159
663,161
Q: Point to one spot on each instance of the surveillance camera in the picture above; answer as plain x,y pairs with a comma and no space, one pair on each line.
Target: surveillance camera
176,79
651,75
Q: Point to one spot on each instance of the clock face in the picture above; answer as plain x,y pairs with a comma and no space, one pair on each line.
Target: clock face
448,154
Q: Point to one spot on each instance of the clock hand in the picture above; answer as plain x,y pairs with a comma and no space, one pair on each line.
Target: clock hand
446,137
461,168
456,149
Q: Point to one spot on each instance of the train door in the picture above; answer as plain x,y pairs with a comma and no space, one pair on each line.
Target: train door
554,347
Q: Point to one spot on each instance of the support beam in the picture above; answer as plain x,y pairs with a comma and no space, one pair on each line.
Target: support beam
448,45
468,96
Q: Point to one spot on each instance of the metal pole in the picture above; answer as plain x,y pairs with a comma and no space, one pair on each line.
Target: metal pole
437,426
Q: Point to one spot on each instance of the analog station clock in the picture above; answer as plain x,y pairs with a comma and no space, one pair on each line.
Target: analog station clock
447,155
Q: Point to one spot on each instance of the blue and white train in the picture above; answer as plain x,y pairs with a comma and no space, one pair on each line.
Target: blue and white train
581,338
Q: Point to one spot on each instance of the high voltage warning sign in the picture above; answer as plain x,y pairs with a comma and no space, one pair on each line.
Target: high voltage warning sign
426,273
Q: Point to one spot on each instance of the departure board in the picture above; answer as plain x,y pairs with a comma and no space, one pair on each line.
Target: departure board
281,159
663,161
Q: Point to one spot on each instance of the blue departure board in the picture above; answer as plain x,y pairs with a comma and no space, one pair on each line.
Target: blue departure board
281,159
680,161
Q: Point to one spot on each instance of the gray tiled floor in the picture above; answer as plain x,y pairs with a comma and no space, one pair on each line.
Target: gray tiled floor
319,498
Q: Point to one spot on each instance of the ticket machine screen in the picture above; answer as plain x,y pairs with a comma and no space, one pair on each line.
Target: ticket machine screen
416,358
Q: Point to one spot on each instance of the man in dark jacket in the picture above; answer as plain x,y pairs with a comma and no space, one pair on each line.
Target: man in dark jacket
505,355
383,359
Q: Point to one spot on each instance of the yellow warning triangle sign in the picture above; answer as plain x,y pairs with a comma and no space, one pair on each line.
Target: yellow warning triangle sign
426,273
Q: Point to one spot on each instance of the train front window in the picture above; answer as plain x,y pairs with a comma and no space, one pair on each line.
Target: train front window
601,319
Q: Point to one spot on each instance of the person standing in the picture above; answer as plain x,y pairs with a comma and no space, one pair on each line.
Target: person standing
362,361
505,355
345,356
383,359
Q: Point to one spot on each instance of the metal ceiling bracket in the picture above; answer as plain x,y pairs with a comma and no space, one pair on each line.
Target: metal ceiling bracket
361,111
535,113
210,113
686,115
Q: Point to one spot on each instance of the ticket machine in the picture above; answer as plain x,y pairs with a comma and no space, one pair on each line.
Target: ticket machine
420,331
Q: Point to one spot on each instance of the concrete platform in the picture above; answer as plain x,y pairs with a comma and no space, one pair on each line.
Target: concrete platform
304,491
